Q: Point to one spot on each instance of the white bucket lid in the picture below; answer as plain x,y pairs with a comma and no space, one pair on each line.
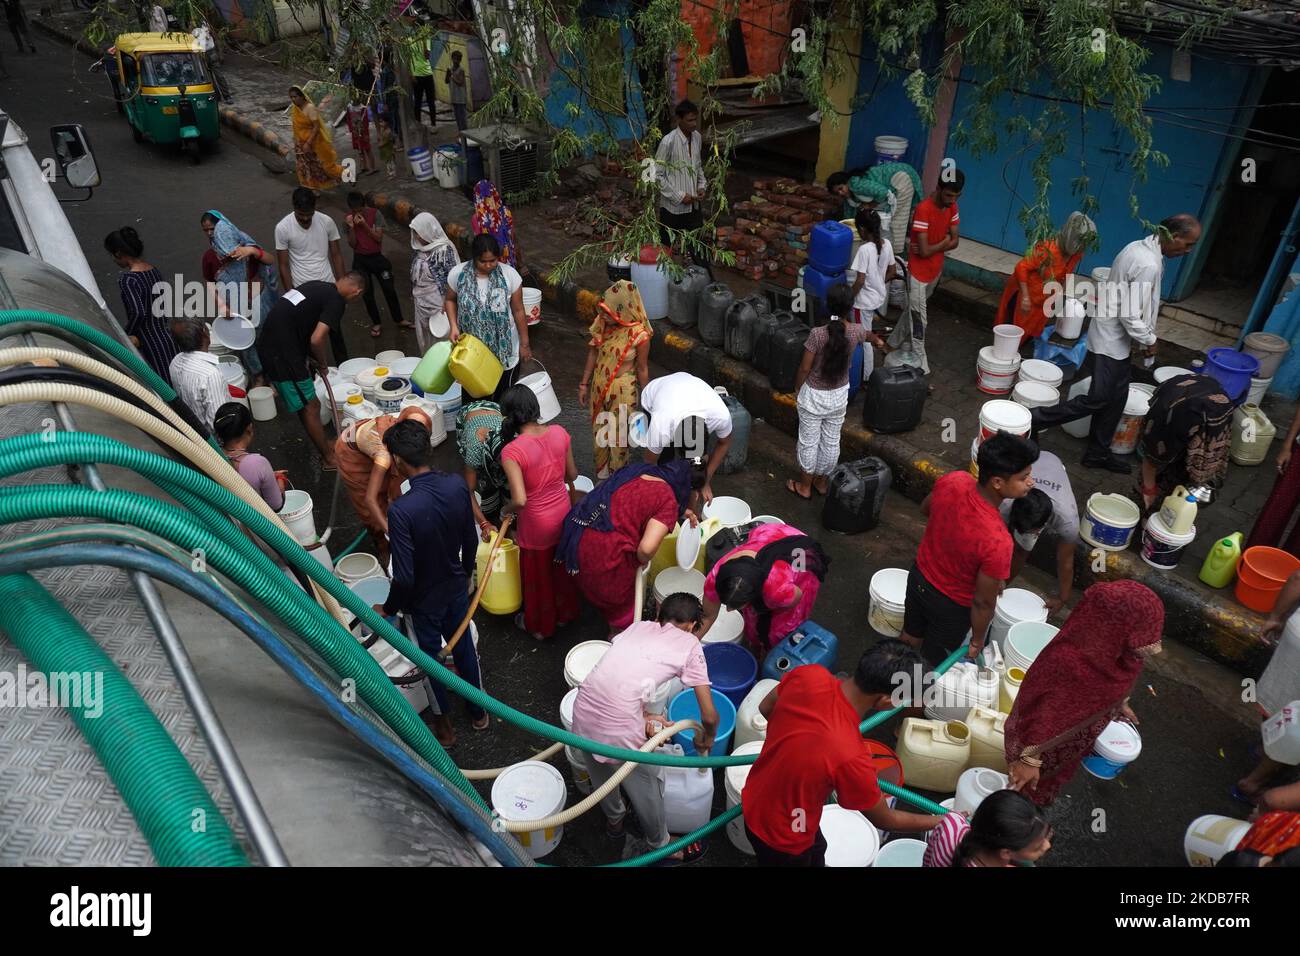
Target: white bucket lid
674,580
889,586
1008,416
582,658
234,332
851,840
726,629
990,361
566,708
736,776
1018,604
530,790
1037,392
1119,742
688,545
1165,372
901,853
1041,371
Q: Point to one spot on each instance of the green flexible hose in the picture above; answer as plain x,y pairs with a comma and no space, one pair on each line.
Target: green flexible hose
157,783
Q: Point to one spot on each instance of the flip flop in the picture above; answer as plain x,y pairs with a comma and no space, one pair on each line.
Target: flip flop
1239,796
692,853
484,725
376,331
791,487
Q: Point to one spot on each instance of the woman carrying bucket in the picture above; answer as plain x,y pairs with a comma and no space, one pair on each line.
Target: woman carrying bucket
1185,437
618,367
538,462
614,532
484,299
1025,295
1079,684
366,469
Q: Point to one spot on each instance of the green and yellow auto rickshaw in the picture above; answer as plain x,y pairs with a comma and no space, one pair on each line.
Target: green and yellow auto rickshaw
161,82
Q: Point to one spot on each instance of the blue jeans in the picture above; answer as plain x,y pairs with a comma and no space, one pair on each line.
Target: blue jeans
431,632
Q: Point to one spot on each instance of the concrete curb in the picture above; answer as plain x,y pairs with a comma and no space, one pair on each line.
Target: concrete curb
1224,632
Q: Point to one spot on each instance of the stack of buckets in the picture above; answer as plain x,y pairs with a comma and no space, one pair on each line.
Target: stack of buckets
995,416
998,364
1269,350
1015,606
1169,531
1129,429
1038,385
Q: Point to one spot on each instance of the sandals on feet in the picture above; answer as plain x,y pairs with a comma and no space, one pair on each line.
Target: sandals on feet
793,488
691,853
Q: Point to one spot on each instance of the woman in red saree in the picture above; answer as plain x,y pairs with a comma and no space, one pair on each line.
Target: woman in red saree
1079,684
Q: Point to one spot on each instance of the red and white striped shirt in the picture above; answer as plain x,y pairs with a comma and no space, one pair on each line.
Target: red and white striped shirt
941,843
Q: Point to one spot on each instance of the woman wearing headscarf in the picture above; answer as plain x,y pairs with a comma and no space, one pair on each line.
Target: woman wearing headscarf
614,531
1185,437
1024,296
244,277
1079,684
618,366
313,144
772,579
485,299
478,438
366,467
492,217
433,257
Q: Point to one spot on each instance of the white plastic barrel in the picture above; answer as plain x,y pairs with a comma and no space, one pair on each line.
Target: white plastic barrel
1079,427
1129,429
531,790
421,161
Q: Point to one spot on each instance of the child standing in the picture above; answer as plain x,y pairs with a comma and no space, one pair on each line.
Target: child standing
387,150
874,265
822,387
359,127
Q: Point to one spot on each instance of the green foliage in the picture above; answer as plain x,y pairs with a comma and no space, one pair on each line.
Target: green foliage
1075,72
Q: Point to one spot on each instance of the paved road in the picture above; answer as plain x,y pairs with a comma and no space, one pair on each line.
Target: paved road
1197,734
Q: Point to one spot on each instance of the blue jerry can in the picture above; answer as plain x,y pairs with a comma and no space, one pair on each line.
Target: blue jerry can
808,644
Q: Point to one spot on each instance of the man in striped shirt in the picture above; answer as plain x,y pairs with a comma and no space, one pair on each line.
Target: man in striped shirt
195,372
679,167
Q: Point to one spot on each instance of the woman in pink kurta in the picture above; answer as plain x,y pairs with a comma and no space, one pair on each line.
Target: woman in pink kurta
773,578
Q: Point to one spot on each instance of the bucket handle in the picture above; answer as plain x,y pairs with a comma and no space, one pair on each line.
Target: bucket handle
536,361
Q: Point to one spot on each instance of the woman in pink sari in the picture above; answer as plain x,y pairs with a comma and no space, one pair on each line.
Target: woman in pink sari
1079,684
772,579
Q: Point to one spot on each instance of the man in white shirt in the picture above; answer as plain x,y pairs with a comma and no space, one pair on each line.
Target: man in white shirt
196,373
679,167
683,409
307,250
1128,304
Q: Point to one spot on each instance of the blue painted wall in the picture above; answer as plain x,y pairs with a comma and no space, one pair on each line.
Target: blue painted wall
888,112
999,185
560,92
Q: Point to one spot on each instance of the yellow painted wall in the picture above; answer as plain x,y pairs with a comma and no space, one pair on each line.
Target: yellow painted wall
834,139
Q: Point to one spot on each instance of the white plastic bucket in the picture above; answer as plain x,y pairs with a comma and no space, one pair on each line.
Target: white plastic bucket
851,840
889,149
678,580
449,401
577,759
403,367
1006,341
231,369
1079,427
580,660
262,402
1269,349
1015,605
421,161
974,785
1044,373
1108,521
1258,389
297,514
993,375
1117,746
540,383
1035,395
1025,641
728,628
1211,837
888,591
390,393
734,779
531,790
731,512
1129,429
357,567
1001,415
448,166
350,369
905,852
370,591
321,553
1070,322
387,357
1161,548
533,305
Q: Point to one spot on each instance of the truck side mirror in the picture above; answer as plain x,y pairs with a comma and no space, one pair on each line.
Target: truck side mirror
75,156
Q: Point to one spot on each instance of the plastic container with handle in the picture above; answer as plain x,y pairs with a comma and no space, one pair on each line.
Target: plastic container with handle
474,366
1220,565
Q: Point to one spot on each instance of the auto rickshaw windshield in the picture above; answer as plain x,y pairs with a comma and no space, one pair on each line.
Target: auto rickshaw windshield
174,69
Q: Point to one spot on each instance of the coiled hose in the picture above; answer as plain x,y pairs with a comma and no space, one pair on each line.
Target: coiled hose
156,781
16,558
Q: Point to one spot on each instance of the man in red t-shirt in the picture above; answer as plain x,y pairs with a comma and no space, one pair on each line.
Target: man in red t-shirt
934,232
965,556
814,746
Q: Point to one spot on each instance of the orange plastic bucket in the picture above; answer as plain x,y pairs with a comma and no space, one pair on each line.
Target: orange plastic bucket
1260,577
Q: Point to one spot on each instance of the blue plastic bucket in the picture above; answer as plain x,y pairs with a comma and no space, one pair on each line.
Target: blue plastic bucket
1232,369
732,670
1116,747
685,707
855,371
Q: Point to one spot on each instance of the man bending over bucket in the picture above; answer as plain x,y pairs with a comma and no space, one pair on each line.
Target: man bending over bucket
813,747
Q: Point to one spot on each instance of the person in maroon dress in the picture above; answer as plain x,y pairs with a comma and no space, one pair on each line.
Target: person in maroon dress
614,532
